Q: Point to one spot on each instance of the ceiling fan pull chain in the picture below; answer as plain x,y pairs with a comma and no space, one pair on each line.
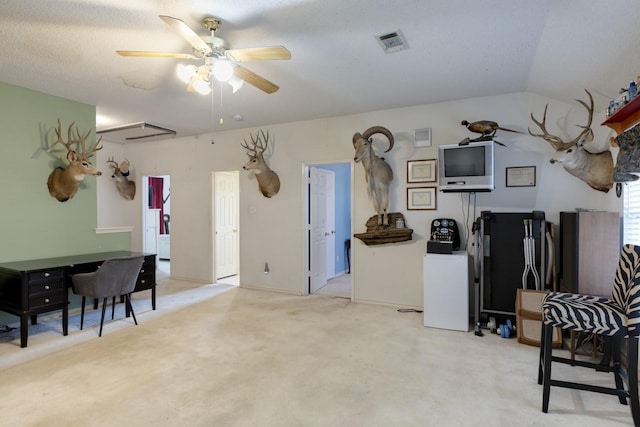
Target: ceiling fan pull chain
221,109
213,102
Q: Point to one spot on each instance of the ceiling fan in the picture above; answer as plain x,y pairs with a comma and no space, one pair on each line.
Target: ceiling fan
220,61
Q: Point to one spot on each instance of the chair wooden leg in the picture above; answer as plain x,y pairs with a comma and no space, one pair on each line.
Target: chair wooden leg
541,360
612,348
82,312
632,368
113,307
546,378
104,308
127,299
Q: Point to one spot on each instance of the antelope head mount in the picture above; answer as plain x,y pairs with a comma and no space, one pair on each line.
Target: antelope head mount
63,183
596,169
120,176
268,181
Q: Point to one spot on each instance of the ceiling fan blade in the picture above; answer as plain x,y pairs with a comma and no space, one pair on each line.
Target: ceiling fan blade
259,53
255,80
147,54
187,33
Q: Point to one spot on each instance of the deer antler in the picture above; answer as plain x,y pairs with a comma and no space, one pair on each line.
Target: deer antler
122,168
555,141
81,140
257,143
264,139
251,151
112,162
60,140
84,153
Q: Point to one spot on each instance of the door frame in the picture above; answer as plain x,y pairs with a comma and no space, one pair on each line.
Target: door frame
305,216
214,263
145,207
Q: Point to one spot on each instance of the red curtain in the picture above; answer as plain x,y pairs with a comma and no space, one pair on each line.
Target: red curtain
156,201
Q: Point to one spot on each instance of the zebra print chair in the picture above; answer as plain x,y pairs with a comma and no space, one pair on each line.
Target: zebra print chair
615,319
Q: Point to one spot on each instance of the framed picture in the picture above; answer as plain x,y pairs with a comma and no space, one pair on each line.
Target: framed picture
421,170
521,176
421,198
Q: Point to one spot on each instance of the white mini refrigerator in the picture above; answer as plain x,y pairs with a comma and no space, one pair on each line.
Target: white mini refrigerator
446,291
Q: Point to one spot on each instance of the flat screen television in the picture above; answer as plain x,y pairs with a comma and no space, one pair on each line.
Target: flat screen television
466,168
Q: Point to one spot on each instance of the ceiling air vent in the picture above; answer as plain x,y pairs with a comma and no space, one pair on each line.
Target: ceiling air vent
136,132
392,42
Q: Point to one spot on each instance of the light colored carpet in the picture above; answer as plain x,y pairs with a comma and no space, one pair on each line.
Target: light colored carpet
237,357
339,286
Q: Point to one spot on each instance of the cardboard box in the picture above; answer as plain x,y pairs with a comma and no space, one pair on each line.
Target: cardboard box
529,318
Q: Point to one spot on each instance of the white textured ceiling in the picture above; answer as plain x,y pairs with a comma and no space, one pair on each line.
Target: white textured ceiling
457,49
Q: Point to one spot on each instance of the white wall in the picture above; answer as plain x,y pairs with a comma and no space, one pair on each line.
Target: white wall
113,210
272,230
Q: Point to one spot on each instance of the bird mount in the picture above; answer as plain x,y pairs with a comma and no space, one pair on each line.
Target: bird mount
487,130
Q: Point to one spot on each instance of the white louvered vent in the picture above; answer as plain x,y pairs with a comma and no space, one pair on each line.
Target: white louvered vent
392,42
631,212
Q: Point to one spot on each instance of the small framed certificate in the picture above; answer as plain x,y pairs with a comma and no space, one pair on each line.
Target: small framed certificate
421,198
521,176
421,170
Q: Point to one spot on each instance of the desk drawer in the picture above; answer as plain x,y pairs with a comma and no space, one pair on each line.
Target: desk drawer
45,275
145,281
40,301
147,277
46,287
148,267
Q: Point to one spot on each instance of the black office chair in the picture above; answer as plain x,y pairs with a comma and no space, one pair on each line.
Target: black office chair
115,277
616,320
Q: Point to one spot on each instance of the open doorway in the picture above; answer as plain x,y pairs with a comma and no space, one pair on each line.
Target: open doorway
226,248
156,220
328,218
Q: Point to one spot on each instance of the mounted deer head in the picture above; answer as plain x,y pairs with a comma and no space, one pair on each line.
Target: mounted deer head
596,169
63,183
268,181
126,188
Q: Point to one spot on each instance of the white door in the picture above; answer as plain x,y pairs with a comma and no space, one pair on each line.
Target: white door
318,228
151,230
330,201
226,223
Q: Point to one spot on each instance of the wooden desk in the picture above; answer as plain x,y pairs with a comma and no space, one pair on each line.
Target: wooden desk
29,288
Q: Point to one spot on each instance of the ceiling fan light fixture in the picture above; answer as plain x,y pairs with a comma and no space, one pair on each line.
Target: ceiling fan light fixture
219,59
186,72
235,83
222,70
202,87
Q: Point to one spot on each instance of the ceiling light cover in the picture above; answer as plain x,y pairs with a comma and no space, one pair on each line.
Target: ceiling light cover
186,72
236,83
202,87
222,70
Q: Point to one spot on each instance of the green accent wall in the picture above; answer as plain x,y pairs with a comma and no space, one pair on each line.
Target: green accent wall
32,223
